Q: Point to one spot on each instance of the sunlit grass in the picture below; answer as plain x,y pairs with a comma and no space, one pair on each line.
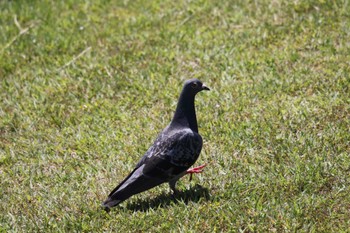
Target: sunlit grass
87,85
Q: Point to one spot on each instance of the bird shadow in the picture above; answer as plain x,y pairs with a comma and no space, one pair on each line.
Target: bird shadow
194,194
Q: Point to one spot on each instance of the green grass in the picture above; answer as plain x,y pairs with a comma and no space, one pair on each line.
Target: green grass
87,85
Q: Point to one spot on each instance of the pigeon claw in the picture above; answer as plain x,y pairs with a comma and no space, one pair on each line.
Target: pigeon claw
198,169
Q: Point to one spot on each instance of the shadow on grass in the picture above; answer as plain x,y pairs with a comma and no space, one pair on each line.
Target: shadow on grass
194,194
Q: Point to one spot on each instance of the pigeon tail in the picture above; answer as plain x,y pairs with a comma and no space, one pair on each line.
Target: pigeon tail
109,203
133,184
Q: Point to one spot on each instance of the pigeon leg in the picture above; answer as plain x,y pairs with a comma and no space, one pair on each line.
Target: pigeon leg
172,184
198,169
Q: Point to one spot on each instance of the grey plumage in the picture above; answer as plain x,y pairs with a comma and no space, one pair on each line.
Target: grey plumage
176,149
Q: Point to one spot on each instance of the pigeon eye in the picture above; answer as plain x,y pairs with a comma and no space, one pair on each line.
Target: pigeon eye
194,85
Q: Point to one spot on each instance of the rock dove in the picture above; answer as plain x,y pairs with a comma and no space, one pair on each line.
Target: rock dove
174,151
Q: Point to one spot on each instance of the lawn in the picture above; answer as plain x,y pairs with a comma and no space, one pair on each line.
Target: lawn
86,86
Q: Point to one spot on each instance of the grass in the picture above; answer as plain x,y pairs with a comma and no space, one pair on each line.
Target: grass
87,85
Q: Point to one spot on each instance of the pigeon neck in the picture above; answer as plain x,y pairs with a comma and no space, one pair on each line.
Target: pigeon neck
185,114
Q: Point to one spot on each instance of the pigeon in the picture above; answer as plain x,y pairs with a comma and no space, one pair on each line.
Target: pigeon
174,151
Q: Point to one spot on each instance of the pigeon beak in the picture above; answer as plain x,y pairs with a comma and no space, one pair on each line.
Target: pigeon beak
204,87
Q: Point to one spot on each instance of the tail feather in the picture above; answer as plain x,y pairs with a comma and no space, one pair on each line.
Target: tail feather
109,203
135,183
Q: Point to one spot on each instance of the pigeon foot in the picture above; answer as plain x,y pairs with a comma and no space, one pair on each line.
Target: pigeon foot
198,169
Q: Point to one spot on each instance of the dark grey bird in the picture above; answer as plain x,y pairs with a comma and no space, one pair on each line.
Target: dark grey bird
174,151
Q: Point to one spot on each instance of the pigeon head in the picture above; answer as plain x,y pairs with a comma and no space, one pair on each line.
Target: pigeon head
193,86
185,114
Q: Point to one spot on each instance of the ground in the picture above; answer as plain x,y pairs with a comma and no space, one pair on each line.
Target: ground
86,86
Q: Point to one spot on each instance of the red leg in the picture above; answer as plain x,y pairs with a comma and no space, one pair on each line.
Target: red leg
198,169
